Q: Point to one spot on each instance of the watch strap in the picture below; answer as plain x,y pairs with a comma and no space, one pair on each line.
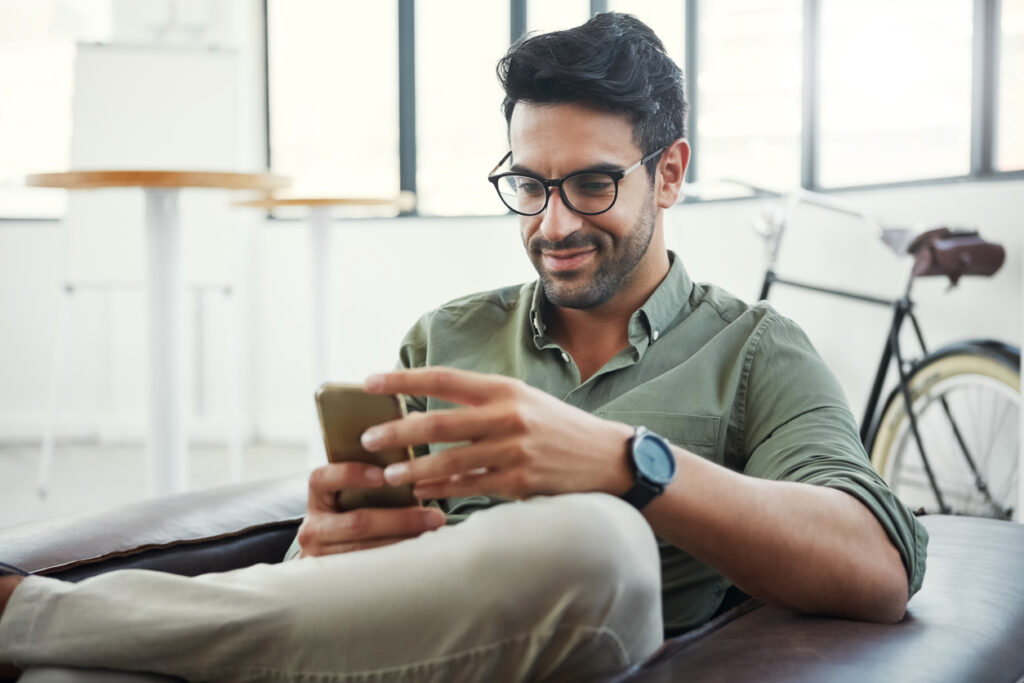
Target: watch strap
643,490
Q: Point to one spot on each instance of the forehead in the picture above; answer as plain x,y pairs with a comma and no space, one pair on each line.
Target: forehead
562,137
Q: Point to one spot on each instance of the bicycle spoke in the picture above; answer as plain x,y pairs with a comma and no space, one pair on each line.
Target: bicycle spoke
968,423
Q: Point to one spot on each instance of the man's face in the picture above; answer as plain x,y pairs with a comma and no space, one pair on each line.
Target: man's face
583,261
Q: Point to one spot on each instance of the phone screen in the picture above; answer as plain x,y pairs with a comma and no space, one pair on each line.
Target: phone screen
346,411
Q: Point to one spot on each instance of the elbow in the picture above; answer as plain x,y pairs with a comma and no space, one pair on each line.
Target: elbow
894,606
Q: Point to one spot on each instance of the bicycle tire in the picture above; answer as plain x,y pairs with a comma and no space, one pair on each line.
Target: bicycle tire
980,382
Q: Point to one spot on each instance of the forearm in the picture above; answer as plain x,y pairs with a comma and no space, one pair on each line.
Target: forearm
804,547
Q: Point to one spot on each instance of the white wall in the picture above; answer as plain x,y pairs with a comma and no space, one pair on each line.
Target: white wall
391,271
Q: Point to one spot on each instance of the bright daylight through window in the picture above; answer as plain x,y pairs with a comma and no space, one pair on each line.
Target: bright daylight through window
333,86
748,92
1010,133
895,90
37,49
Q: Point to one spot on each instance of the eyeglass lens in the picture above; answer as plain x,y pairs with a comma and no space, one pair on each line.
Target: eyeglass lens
586,193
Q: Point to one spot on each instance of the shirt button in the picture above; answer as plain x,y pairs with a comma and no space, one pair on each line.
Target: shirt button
655,335
565,356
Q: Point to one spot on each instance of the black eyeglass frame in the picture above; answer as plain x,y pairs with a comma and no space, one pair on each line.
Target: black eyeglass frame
616,176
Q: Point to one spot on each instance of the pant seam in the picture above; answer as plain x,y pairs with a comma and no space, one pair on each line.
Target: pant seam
422,665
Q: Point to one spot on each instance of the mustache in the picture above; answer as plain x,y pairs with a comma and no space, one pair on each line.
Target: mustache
577,240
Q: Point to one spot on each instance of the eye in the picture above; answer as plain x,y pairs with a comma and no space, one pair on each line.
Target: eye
593,184
528,186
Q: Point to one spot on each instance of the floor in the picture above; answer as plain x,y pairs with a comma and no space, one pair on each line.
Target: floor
92,476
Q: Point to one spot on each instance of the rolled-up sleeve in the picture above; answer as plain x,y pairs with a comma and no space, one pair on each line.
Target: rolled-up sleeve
798,427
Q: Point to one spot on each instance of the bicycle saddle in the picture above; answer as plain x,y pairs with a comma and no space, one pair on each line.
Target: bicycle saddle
954,252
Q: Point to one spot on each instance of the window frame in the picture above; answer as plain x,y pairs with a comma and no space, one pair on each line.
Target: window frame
984,111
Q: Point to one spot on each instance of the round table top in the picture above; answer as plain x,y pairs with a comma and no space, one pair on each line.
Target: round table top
87,180
402,201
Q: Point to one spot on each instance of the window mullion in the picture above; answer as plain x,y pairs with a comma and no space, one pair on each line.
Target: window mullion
691,67
811,95
984,90
407,95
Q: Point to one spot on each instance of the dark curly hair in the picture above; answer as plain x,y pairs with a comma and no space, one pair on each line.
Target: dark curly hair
613,62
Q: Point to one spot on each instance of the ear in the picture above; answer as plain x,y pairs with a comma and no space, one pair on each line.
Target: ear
668,183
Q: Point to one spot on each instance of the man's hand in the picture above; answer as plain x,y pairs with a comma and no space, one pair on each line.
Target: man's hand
514,440
325,531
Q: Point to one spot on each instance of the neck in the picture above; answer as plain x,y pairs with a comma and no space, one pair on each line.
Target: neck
593,337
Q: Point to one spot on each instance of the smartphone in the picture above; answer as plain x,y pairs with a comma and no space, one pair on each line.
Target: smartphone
346,411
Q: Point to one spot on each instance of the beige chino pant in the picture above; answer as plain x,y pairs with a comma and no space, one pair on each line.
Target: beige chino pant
555,588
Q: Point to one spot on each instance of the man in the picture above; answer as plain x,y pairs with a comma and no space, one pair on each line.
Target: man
620,401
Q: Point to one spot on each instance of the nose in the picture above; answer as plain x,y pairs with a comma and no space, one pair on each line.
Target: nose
558,220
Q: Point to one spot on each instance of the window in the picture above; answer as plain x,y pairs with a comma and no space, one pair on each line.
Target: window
460,130
1010,138
667,18
333,97
895,90
543,16
749,92
37,50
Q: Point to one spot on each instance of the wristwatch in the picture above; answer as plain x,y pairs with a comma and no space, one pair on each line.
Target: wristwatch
654,467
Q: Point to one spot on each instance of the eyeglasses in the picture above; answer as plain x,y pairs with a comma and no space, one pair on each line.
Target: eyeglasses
585,192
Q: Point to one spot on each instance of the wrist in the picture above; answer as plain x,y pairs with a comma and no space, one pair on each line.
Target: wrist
621,473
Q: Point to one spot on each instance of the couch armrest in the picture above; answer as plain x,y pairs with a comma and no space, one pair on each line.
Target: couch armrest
964,625
193,533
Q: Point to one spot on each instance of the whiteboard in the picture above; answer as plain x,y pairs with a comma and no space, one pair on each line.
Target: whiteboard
148,107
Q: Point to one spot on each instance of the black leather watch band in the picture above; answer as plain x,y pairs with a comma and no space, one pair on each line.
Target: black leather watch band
642,493
653,467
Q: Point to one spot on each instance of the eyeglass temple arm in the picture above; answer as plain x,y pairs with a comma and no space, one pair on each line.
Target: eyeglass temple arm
503,160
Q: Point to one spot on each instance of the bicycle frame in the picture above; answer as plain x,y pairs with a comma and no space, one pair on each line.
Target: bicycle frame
902,309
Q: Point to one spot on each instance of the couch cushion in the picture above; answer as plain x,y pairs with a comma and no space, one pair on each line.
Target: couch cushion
965,624
199,518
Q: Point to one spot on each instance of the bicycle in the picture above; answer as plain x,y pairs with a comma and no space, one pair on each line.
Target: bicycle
957,450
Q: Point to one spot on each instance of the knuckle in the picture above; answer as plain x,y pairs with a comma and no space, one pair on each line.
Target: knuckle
357,522
515,386
307,535
444,379
436,426
519,484
350,473
518,418
317,477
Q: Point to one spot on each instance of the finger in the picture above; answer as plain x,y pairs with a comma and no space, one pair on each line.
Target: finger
443,426
338,548
326,481
478,483
367,524
448,384
451,461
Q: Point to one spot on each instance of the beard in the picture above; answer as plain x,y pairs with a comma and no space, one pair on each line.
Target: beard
616,263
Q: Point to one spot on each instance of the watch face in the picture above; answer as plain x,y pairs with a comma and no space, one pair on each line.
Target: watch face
654,460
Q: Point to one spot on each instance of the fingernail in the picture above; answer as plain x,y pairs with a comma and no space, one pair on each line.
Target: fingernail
370,438
425,492
373,382
434,518
375,476
395,473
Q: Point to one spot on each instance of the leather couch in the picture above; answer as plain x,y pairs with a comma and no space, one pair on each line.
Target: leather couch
966,623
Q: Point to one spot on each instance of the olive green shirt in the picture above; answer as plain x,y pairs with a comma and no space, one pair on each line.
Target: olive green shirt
737,384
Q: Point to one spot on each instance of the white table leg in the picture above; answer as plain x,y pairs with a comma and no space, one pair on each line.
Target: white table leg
323,315
166,443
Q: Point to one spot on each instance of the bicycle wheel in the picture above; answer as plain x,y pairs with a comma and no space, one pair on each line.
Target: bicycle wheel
981,390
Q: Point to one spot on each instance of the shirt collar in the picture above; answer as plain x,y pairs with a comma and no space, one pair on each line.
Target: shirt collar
660,312
662,309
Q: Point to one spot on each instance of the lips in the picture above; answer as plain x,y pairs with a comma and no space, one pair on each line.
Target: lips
556,261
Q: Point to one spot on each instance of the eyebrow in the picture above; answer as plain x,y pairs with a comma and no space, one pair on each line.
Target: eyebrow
600,167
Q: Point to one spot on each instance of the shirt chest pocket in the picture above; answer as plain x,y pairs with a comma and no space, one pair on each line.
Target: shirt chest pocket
696,433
